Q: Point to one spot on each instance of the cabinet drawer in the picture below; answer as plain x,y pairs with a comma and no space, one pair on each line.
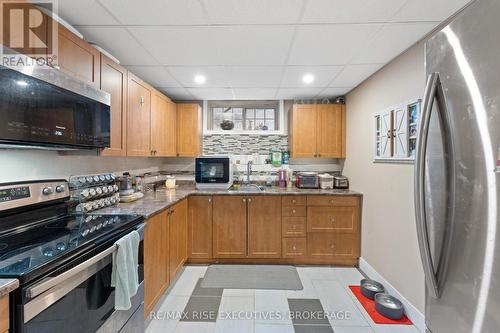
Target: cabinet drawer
331,200
4,313
294,247
328,245
294,211
293,200
332,219
293,227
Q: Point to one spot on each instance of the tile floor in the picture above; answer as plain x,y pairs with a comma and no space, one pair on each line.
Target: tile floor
267,311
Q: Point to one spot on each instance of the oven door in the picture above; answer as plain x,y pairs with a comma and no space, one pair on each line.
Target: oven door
212,170
81,300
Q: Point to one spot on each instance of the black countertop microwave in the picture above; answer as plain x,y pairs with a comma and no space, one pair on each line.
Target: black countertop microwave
35,112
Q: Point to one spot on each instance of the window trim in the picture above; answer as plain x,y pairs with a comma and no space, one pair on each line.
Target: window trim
279,131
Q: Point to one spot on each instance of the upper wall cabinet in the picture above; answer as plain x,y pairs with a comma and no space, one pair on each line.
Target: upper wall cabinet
163,125
189,129
138,117
114,81
77,57
317,130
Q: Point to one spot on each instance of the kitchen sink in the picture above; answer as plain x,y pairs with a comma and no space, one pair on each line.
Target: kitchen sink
250,188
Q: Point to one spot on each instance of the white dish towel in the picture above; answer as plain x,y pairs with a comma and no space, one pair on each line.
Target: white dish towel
124,276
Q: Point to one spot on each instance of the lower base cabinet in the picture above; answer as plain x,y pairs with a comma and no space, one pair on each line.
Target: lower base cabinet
4,313
165,252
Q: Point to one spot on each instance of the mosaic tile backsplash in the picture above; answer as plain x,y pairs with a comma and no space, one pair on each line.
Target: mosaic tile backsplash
242,144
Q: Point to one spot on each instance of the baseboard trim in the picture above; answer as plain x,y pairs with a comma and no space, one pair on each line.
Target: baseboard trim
412,312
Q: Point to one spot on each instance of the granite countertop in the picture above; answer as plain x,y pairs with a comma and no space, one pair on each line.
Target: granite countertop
8,285
155,202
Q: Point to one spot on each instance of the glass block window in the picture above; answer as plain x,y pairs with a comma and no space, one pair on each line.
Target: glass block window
243,115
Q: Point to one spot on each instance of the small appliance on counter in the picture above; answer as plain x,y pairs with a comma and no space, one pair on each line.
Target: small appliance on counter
325,181
340,182
213,172
307,180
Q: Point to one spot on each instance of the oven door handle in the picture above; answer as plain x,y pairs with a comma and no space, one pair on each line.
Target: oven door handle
48,283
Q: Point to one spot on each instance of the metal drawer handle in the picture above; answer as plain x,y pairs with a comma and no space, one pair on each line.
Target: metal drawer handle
293,211
294,201
249,200
209,199
244,200
331,201
332,246
294,248
332,220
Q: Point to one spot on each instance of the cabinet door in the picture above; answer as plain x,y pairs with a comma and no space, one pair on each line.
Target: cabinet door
162,126
332,219
188,130
386,141
303,130
155,260
332,246
200,227
400,132
114,81
178,237
264,227
138,118
77,57
329,130
229,227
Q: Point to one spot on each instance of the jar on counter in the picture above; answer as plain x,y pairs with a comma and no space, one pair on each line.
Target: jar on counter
170,182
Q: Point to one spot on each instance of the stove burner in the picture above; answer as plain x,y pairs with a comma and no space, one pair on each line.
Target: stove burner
18,251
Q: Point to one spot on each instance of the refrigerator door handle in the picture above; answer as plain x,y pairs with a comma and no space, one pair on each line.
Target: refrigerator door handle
420,217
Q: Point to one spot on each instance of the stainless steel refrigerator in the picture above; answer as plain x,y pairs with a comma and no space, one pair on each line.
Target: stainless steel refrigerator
457,182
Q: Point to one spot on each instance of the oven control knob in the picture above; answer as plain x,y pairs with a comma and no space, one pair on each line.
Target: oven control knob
48,190
85,232
60,188
61,246
112,176
85,194
48,252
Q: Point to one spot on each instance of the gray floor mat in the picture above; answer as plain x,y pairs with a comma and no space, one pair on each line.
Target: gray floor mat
279,277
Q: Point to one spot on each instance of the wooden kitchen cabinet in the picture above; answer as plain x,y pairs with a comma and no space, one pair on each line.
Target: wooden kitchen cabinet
229,227
200,227
77,57
114,82
332,219
4,313
317,130
327,246
138,117
295,248
264,227
163,125
189,120
156,259
178,237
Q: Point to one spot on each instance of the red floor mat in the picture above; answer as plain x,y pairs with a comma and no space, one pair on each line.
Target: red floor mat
369,306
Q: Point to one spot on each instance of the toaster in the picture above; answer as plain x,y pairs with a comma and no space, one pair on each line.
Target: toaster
307,180
340,182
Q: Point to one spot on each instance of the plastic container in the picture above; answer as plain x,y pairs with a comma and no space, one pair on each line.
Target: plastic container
325,181
170,182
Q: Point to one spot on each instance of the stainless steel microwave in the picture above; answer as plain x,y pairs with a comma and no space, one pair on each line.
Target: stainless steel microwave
48,108
213,172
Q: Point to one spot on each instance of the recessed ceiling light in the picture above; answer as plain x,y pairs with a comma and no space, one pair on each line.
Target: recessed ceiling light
200,79
308,78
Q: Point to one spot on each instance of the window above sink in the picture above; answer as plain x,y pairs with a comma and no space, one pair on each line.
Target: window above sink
243,117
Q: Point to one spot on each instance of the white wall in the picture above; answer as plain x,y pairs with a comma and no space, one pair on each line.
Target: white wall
19,165
389,238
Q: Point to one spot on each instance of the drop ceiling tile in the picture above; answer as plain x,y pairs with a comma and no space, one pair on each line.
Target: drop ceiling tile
216,75
118,42
352,75
89,12
158,76
253,11
216,45
156,12
352,11
428,10
255,77
322,75
297,93
212,93
176,93
254,93
330,44
391,41
331,93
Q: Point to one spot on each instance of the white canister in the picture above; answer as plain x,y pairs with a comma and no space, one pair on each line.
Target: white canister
170,182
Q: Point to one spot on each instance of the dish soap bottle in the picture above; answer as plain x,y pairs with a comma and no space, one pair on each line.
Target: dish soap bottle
276,158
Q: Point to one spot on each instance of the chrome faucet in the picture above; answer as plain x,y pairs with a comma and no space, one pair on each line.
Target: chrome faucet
249,171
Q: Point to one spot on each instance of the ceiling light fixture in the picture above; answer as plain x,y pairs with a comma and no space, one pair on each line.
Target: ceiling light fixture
200,79
308,78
